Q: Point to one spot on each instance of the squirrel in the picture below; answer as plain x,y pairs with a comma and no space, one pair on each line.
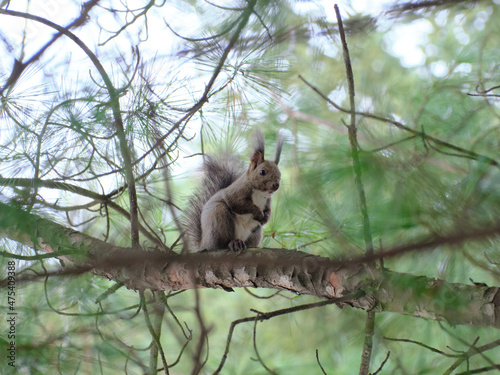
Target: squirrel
231,206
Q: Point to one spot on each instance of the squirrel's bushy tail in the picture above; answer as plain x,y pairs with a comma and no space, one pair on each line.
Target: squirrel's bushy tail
219,172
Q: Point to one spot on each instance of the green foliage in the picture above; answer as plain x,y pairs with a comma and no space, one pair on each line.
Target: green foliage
435,176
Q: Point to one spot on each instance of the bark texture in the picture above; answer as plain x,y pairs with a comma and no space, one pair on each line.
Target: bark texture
282,269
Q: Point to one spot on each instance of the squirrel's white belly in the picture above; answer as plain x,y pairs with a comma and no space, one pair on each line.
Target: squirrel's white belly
243,226
259,198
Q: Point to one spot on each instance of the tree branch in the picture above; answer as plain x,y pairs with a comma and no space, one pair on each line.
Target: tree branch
265,316
208,87
353,139
115,107
462,151
98,198
364,367
154,326
20,67
281,269
367,233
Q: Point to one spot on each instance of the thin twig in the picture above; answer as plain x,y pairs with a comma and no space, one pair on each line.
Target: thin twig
114,95
98,198
480,370
261,297
382,364
207,94
473,350
20,67
226,29
265,316
425,346
155,331
464,152
319,363
461,357
108,292
144,12
257,351
198,363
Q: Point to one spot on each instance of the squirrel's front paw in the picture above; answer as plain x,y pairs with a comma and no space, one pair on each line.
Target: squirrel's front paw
237,245
266,214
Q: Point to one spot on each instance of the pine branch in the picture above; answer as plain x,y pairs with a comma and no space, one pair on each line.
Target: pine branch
281,269
115,107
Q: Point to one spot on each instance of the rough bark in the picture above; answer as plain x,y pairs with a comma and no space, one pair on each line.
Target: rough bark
282,269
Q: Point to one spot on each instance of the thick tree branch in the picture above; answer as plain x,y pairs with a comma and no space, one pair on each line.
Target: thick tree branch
280,269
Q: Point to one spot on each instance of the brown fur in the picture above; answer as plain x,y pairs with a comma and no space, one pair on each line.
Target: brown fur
229,212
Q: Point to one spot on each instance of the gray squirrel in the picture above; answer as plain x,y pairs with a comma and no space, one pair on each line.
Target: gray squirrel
231,205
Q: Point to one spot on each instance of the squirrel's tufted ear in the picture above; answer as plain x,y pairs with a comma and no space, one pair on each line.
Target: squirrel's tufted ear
279,146
258,149
256,159
258,142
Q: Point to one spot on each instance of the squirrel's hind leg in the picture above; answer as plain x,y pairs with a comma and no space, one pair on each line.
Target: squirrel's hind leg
255,239
217,226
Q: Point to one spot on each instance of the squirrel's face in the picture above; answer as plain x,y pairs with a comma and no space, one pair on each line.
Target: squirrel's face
265,176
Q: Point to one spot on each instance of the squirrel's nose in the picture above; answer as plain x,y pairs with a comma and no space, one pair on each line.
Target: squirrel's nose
276,185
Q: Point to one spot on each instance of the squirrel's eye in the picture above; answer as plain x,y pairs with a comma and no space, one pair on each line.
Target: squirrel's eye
263,172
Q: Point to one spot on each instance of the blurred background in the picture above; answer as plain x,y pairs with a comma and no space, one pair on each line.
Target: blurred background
198,76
